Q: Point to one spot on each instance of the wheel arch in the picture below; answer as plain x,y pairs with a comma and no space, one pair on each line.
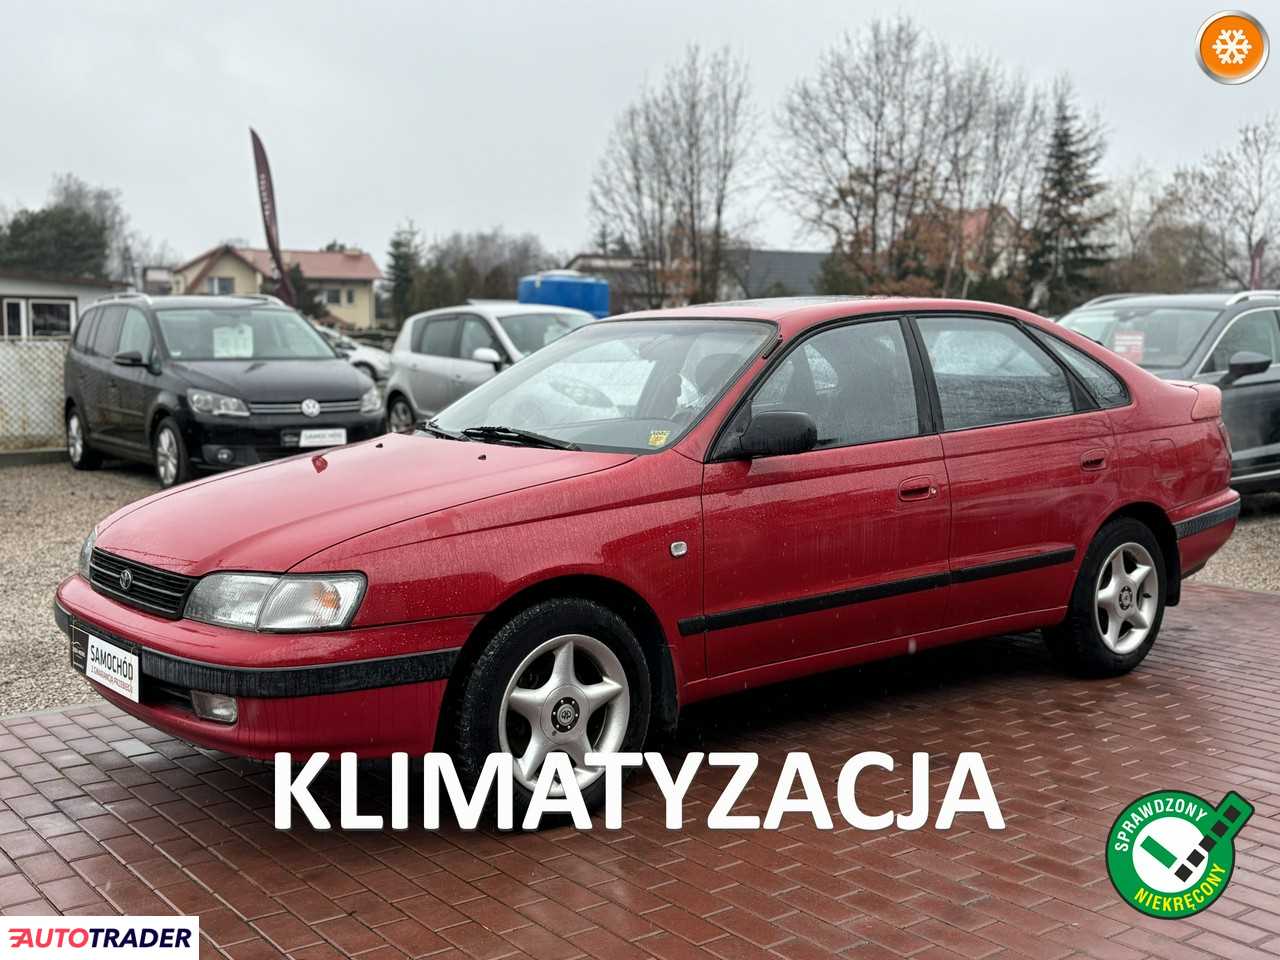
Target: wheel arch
611,594
1158,522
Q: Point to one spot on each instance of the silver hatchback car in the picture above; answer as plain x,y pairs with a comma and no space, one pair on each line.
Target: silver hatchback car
442,354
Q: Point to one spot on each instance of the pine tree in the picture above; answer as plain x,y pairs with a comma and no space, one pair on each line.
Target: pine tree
404,259
1064,254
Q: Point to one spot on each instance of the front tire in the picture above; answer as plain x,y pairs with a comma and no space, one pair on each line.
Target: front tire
82,456
1117,604
400,416
169,453
565,675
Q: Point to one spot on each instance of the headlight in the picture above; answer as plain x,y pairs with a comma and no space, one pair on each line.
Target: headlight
257,601
371,402
217,404
86,552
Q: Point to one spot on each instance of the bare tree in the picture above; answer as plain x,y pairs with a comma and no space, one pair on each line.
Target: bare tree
1233,196
674,171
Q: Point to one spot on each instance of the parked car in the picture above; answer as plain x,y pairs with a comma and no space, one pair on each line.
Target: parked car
443,354
1230,340
745,493
202,382
373,362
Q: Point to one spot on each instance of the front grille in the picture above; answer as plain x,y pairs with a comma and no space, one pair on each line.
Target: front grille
150,589
326,406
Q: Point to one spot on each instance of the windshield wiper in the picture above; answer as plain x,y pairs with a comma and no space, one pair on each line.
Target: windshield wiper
435,431
518,437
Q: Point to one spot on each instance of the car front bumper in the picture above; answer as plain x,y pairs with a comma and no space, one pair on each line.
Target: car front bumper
373,691
221,443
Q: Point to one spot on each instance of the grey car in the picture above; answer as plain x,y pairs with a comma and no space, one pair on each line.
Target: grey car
1232,340
443,354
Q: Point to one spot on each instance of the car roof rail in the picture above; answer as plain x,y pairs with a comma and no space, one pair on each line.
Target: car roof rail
1109,297
264,297
126,295
1244,295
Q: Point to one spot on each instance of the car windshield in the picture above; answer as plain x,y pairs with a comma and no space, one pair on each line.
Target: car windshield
1153,337
622,385
240,333
533,331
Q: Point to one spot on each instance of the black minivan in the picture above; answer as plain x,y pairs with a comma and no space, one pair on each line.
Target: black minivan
188,382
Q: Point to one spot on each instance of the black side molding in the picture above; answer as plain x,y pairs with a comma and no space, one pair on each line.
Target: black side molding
1194,525
877,591
270,682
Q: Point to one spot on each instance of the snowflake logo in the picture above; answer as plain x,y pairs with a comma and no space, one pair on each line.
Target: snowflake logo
1232,46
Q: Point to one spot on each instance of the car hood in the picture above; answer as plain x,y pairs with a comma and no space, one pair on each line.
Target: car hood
272,517
276,381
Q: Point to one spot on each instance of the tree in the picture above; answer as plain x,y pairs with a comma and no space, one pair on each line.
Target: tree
128,250
486,264
1065,251
670,185
307,300
1231,200
404,257
58,240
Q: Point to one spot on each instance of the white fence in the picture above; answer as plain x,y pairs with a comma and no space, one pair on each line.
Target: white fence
31,394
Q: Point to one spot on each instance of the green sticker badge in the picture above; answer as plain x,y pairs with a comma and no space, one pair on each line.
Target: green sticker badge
1170,854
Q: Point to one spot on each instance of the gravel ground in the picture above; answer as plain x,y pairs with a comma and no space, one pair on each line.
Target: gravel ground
48,510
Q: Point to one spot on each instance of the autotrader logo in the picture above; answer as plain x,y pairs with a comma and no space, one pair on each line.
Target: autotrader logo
1170,854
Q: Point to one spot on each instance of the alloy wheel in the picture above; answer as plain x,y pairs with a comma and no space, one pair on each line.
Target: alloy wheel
400,417
75,438
1126,598
571,695
166,456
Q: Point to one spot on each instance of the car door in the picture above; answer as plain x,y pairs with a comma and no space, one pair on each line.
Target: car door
469,373
842,545
101,392
1029,460
1251,405
135,385
432,365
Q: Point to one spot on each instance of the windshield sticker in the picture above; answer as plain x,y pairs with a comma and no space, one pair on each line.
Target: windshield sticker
233,343
1129,344
658,437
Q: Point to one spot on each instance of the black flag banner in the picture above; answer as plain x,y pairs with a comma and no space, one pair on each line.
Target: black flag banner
267,196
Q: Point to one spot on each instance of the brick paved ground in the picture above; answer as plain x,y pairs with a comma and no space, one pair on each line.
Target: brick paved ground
101,814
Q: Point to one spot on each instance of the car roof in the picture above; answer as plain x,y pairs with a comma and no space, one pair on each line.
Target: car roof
498,308
1203,301
192,301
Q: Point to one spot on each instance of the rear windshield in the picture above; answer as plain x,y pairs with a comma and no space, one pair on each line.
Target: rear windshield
1153,337
533,331
240,333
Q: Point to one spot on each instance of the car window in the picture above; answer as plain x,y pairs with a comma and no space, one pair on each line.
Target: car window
533,331
1256,332
240,333
135,334
437,336
1153,337
990,372
84,330
107,331
1108,389
476,334
855,381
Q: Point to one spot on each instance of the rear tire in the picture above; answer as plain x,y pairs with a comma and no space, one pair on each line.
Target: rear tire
400,416
82,456
169,454
564,675
1117,604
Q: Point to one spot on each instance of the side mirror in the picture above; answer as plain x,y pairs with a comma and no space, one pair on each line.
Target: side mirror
129,358
776,433
487,355
1244,363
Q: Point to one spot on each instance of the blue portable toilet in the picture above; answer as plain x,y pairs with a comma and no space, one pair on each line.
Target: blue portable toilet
566,288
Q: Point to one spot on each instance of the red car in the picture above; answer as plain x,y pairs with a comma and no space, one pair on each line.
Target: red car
654,510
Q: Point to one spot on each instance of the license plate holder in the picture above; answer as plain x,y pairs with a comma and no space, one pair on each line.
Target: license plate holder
107,664
323,437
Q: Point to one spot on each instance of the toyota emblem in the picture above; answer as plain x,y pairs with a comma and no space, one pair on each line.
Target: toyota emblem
310,408
126,579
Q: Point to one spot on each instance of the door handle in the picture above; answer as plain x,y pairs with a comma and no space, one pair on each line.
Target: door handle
917,488
1094,460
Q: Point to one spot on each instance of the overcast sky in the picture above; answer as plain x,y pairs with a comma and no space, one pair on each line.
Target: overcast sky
468,115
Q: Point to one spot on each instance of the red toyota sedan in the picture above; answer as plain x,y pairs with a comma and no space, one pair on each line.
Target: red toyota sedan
657,509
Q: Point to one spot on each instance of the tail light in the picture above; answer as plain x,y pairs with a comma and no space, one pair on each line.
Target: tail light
1208,405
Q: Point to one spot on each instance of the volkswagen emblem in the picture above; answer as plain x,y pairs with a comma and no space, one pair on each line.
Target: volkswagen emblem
310,408
126,579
